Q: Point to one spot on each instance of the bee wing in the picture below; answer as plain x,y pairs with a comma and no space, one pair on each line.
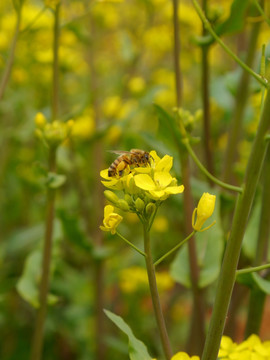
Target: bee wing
119,152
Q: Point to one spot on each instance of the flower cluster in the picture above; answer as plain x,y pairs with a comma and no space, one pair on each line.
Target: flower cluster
144,188
52,133
251,349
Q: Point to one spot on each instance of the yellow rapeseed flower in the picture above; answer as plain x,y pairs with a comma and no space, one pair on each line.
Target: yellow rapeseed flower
204,210
250,349
145,186
160,187
111,219
184,356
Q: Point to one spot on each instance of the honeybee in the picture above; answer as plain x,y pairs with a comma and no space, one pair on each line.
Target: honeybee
134,157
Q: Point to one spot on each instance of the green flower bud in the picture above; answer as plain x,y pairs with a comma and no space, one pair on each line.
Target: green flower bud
139,204
111,196
123,205
128,199
150,209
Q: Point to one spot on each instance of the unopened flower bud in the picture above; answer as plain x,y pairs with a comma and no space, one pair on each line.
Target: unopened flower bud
40,120
123,205
111,196
150,209
139,204
128,199
204,210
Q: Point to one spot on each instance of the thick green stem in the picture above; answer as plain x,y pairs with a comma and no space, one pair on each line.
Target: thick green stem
257,297
240,105
155,296
233,248
38,338
8,68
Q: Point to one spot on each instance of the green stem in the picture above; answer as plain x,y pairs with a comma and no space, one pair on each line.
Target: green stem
240,105
206,172
35,19
205,81
155,296
233,248
252,269
174,249
261,11
225,47
38,338
257,297
55,80
8,68
130,244
176,54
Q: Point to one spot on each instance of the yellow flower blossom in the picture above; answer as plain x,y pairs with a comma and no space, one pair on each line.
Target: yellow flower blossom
204,210
250,349
83,127
136,84
160,187
111,219
184,356
144,187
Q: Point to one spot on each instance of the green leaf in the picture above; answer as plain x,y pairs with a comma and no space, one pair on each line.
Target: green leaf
209,245
236,20
137,349
254,281
27,285
54,181
24,238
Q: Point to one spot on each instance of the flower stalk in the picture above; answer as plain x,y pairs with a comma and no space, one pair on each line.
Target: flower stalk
155,296
225,47
54,139
233,248
174,248
46,260
8,68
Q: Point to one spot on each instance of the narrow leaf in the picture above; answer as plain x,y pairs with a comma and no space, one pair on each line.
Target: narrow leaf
137,349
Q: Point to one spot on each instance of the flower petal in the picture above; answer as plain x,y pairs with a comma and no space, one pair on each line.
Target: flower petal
165,164
155,156
108,210
158,194
174,189
144,181
104,174
162,179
